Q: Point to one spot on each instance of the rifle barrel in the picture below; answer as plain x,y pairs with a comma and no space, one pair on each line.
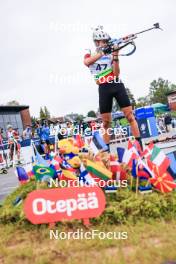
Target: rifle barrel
140,32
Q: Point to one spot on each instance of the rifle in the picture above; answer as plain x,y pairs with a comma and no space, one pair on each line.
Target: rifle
118,44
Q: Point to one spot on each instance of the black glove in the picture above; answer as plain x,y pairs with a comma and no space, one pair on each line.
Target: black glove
107,50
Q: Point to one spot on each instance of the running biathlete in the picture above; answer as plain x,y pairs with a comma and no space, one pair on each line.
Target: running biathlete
104,66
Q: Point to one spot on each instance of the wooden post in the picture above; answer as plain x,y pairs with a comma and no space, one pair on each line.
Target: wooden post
137,185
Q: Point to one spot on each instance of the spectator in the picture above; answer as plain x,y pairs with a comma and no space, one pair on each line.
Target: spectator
38,128
168,122
1,135
44,137
69,129
174,123
14,146
27,133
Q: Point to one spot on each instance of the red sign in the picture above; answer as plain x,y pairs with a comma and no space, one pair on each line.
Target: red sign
53,205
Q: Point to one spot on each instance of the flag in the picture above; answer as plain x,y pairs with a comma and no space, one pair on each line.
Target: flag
85,177
134,170
143,172
69,156
159,158
68,172
22,175
97,144
32,160
29,169
74,162
110,189
135,146
68,175
140,169
163,181
148,150
115,167
41,172
172,168
58,159
79,141
56,169
55,165
66,166
98,170
145,189
125,156
40,160
150,164
132,148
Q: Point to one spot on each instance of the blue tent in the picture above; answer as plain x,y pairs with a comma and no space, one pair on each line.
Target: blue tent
160,108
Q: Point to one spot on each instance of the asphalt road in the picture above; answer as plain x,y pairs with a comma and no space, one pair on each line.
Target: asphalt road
8,183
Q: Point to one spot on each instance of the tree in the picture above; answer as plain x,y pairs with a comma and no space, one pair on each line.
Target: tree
115,106
131,97
79,118
42,113
91,114
159,89
47,113
13,103
33,119
143,101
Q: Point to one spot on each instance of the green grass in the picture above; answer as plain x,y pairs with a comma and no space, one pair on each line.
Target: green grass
147,243
149,220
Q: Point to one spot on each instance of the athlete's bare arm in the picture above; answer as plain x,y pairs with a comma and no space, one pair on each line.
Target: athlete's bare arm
115,64
92,59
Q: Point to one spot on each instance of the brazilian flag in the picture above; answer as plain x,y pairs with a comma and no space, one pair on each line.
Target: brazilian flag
41,173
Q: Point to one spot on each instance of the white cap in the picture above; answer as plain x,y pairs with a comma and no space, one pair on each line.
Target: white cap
99,34
9,126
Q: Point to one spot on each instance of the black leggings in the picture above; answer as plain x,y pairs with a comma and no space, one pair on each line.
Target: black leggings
108,91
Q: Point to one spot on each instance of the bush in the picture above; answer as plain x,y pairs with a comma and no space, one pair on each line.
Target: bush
127,207
122,207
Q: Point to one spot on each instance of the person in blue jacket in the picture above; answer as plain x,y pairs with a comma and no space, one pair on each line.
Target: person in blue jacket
45,137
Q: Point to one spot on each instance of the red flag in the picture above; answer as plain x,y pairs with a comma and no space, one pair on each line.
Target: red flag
148,151
134,145
79,141
115,167
162,181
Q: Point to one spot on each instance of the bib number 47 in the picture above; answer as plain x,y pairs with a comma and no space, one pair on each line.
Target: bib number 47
101,67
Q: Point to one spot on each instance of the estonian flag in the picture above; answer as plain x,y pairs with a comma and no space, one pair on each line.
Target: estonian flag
97,144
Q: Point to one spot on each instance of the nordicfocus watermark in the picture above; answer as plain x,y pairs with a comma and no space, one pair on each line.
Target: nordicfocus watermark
108,79
79,78
88,235
117,131
79,27
95,182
